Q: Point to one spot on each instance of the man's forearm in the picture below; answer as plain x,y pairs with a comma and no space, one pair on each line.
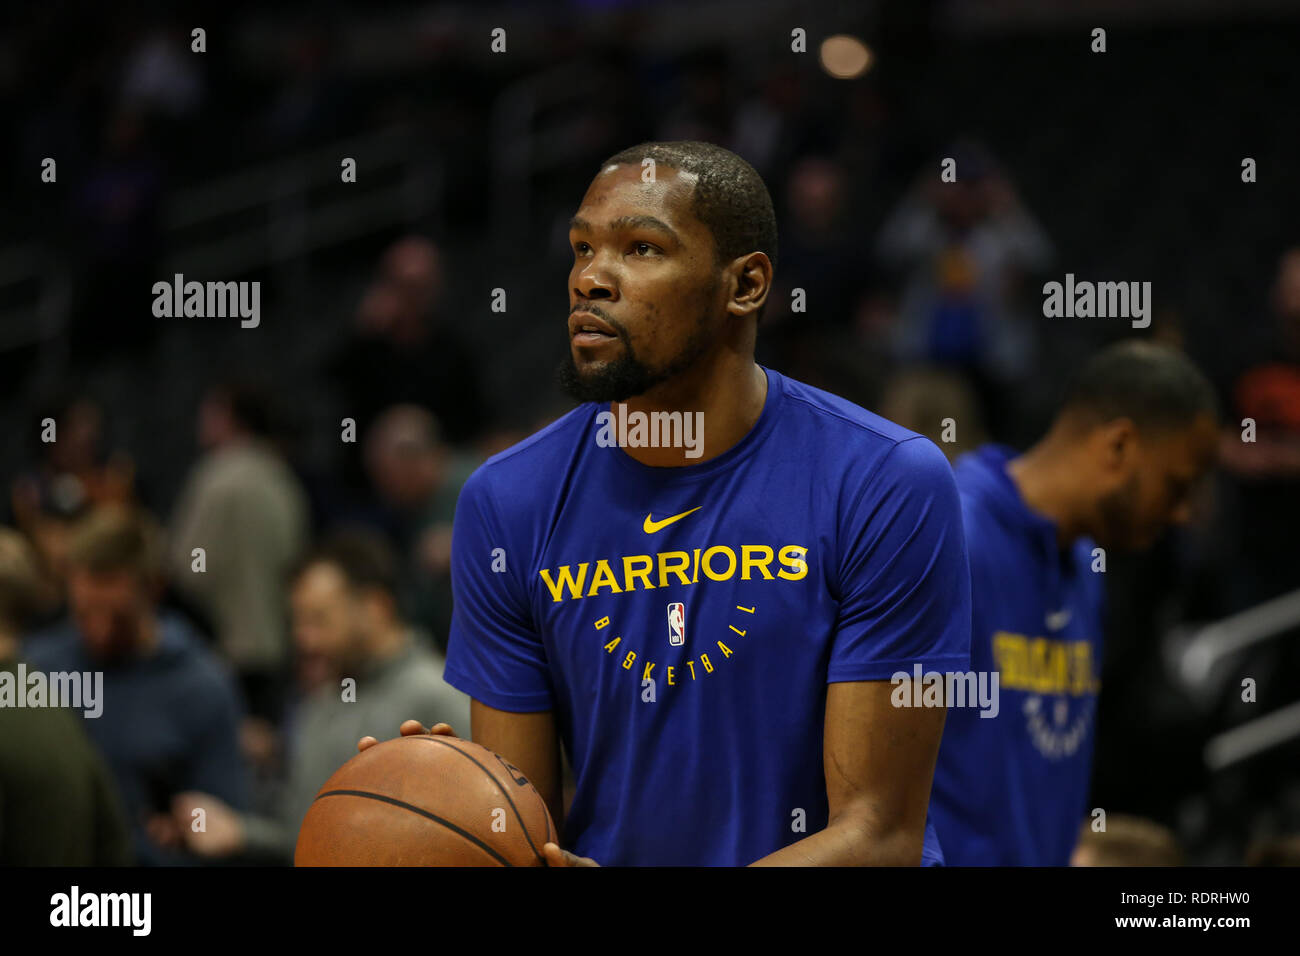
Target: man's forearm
851,842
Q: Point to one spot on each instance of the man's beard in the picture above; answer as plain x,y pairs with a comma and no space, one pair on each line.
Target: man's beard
628,376
1119,519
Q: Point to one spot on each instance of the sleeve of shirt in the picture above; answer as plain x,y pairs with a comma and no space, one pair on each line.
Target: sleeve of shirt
494,653
904,582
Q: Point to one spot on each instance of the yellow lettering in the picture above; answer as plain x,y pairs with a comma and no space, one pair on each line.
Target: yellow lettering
566,580
627,661
792,557
748,562
1044,666
603,622
650,665
609,648
1010,653
726,651
1081,667
603,578
670,676
704,659
731,563
674,562
691,665
630,575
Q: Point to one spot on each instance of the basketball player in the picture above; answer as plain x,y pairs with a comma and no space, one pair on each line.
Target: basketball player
707,624
1118,465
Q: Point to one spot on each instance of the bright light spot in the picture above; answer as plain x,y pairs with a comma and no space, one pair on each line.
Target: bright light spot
845,57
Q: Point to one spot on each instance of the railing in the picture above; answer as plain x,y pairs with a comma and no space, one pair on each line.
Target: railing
269,215
1201,661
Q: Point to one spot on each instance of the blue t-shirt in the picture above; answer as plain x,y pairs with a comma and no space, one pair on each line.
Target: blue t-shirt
825,546
1012,790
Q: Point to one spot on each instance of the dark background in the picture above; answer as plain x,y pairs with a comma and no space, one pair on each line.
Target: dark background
224,165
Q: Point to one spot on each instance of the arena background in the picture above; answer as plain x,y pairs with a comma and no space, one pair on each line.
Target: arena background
225,165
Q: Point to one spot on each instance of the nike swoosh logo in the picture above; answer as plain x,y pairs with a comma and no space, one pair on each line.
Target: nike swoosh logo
651,526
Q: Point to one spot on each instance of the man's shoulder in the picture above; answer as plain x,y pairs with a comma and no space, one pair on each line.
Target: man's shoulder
510,477
852,435
187,657
55,646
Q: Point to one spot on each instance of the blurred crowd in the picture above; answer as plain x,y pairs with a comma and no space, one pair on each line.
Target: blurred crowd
231,608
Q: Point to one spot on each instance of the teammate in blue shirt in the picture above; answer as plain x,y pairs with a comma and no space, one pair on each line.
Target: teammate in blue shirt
706,606
1136,432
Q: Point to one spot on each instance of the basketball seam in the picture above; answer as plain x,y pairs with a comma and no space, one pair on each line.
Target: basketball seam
492,777
422,812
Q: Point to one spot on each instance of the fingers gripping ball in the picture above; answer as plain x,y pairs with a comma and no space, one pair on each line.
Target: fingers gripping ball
425,801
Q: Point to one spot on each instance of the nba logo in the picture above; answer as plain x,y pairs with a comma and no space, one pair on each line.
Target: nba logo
677,624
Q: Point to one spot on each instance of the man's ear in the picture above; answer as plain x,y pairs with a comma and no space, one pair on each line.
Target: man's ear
1117,443
753,281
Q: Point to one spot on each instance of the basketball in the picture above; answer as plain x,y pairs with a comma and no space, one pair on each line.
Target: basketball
425,800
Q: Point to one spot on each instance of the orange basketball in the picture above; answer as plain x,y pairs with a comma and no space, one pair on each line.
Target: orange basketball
425,800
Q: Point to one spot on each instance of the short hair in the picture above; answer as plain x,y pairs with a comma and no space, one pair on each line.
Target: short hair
118,538
1156,386
251,404
364,557
1275,851
404,428
1132,841
730,197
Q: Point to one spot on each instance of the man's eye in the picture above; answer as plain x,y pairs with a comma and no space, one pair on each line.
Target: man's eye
643,245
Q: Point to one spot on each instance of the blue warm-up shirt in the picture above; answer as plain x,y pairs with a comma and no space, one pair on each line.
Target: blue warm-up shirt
1012,790
683,623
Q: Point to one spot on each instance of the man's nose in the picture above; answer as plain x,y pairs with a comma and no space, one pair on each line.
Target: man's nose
593,282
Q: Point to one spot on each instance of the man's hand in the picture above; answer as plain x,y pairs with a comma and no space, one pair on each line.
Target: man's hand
223,833
162,831
557,857
409,728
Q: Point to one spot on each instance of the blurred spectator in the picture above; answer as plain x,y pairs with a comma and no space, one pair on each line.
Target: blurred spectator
769,123
1127,841
405,349
703,110
418,479
73,473
162,74
313,98
116,223
1266,472
1278,851
820,251
245,508
170,713
924,399
961,246
346,624
58,805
